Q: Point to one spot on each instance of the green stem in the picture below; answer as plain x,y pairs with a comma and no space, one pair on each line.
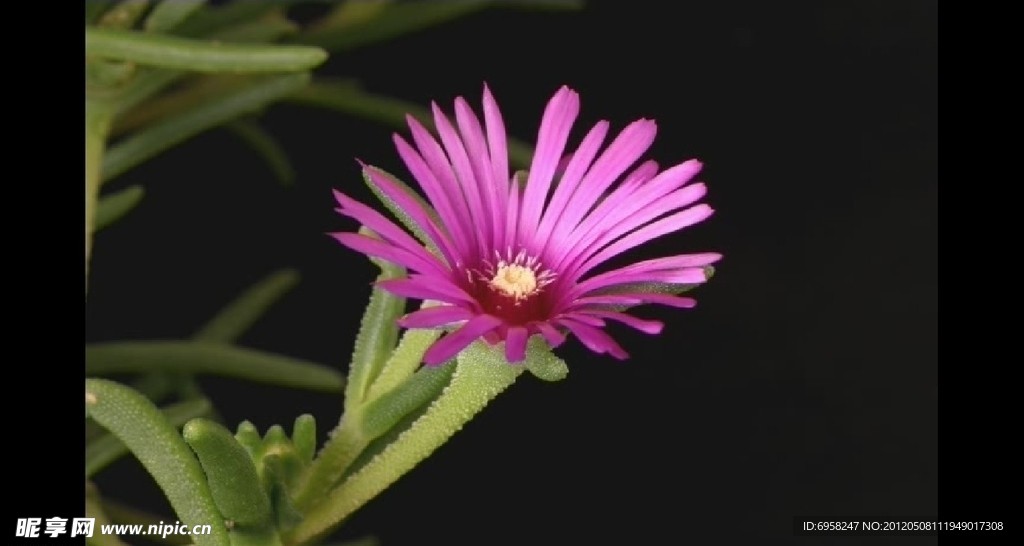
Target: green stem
482,374
97,125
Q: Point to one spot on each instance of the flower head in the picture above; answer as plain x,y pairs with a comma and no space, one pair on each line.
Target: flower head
510,258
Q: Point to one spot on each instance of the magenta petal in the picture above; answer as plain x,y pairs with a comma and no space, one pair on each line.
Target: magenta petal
595,340
417,260
636,298
450,345
555,125
375,221
569,182
467,179
645,326
669,224
551,334
427,287
432,317
497,144
515,344
417,212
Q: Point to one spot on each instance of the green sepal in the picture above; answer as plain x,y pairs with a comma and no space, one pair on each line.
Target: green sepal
543,363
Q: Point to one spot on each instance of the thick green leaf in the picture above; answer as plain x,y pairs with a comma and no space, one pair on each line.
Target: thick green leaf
168,14
378,332
304,437
113,207
223,107
249,437
404,360
234,484
213,19
158,446
266,146
106,448
423,387
193,357
239,315
542,363
197,55
348,97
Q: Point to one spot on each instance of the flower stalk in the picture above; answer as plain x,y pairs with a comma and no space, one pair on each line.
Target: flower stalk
481,374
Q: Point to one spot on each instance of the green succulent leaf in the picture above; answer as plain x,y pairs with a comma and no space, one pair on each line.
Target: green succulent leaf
192,357
424,386
116,205
104,449
222,107
378,332
264,144
239,315
234,484
168,14
304,437
198,55
161,450
249,437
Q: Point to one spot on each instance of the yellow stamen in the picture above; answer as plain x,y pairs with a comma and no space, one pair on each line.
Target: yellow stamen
515,281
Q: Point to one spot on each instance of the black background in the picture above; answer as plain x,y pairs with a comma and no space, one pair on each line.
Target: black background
805,382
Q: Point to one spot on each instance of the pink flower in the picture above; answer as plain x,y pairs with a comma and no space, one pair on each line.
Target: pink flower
515,260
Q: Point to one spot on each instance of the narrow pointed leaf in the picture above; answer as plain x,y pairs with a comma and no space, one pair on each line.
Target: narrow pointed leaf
234,484
267,147
107,448
197,55
239,315
404,360
421,388
208,358
168,14
347,29
378,332
219,109
158,446
115,206
124,14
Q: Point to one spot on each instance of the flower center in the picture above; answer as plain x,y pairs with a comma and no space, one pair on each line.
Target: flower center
515,281
511,286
